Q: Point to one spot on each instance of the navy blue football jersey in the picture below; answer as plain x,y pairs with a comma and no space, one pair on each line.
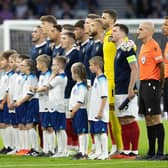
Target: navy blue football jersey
72,57
122,70
57,50
43,48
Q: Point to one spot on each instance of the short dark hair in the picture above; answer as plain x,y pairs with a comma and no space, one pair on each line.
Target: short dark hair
99,21
69,34
112,13
80,24
58,27
123,28
49,18
23,56
93,16
68,27
6,54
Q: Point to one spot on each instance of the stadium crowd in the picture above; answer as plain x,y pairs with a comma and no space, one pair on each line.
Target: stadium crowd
29,9
80,80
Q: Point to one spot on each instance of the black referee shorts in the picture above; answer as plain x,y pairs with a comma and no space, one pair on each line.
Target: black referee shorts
149,97
165,95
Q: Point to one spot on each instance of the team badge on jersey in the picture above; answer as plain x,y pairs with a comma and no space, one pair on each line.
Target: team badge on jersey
143,59
110,39
68,59
75,91
97,48
40,51
155,48
83,50
95,85
166,56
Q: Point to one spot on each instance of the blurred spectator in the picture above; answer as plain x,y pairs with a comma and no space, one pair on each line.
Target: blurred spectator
130,9
5,11
77,9
146,8
21,8
66,14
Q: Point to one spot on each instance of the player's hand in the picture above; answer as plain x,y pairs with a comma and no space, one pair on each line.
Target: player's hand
99,115
11,106
111,106
17,103
32,89
1,106
72,113
131,93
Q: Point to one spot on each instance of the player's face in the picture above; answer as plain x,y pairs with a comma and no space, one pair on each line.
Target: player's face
116,34
12,63
165,28
88,21
24,68
18,62
53,33
46,26
106,20
92,67
73,74
39,65
65,41
55,66
142,32
3,63
93,28
36,34
78,33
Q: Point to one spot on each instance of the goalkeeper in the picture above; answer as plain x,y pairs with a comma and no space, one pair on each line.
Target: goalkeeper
109,50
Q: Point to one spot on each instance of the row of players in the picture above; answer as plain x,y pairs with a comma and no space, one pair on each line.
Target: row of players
88,49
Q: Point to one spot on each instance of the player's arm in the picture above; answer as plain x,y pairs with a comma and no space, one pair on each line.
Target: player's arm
42,89
23,100
2,103
79,102
9,102
134,72
133,78
102,106
161,67
75,109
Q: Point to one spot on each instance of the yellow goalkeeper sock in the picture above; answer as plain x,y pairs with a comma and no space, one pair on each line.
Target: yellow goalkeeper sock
116,127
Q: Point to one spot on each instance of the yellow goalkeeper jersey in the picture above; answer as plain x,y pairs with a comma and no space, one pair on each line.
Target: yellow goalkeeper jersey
109,51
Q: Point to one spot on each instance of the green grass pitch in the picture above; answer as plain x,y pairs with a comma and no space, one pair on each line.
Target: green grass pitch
33,162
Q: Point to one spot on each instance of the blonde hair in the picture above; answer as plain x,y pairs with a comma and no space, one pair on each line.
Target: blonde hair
14,56
99,21
97,60
6,54
79,70
61,60
31,64
44,58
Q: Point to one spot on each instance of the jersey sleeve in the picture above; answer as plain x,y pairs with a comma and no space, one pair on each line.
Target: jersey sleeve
82,94
131,56
157,54
32,82
56,81
103,87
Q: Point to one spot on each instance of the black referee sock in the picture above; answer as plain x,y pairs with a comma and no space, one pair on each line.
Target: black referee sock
151,139
160,134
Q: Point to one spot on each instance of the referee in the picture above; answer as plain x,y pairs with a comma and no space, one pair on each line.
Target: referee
151,75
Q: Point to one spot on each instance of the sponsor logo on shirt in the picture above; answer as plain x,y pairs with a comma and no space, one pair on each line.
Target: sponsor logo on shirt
143,59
